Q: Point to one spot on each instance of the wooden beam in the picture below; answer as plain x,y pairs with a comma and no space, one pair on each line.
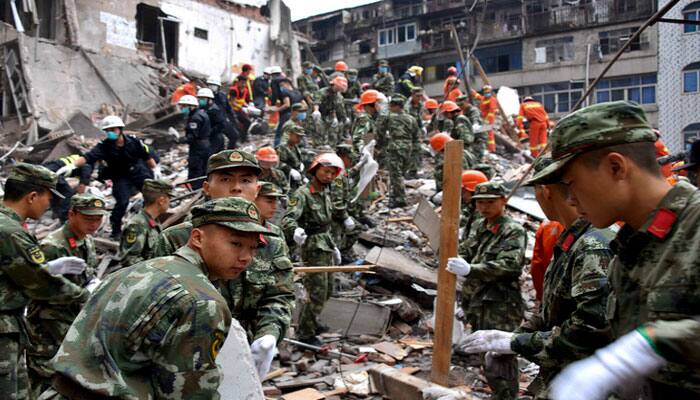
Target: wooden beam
447,282
334,268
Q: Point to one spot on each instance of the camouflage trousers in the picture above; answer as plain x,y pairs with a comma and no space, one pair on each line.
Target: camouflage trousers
14,383
344,238
319,287
398,162
46,336
415,162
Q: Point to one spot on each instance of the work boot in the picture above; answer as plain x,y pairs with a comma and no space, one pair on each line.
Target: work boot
312,340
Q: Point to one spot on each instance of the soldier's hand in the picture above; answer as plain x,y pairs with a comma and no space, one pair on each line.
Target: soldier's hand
65,170
487,340
295,175
349,223
458,266
264,350
337,257
300,236
316,115
624,362
66,265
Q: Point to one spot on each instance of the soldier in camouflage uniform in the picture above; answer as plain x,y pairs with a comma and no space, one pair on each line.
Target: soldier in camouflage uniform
492,258
291,161
469,217
352,95
26,274
269,160
438,142
47,323
299,118
571,324
154,330
142,230
307,223
345,213
460,129
605,156
383,80
478,148
369,112
397,137
414,107
307,83
329,107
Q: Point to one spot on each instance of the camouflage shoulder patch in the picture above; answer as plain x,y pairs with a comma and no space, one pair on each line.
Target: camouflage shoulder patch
293,201
130,237
217,341
339,182
36,255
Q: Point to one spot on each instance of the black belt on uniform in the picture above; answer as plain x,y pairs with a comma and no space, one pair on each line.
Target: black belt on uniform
73,391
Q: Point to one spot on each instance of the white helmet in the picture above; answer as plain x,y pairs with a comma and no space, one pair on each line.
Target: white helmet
267,70
214,80
112,121
275,69
205,92
188,100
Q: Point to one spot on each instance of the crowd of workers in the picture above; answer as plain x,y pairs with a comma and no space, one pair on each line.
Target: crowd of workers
619,299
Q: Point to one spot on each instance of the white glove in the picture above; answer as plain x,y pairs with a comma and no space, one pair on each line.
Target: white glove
93,284
316,115
443,393
295,175
65,170
337,258
458,266
172,132
66,265
349,223
460,234
264,350
300,236
157,173
347,121
488,340
620,363
301,167
334,123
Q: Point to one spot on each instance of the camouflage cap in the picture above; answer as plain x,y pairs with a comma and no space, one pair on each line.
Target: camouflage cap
539,166
416,90
231,212
343,148
397,99
269,189
232,159
298,107
307,64
487,169
383,63
489,190
158,186
352,71
297,129
89,204
36,175
592,128
461,99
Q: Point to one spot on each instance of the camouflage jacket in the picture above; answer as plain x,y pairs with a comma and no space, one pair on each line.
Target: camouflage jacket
276,176
439,124
361,126
654,279
330,104
398,132
163,322
416,112
354,91
262,297
462,130
290,158
440,162
139,239
496,254
308,124
307,85
572,321
383,83
341,195
24,276
313,211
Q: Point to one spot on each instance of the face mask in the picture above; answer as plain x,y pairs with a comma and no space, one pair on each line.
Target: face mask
487,95
185,111
352,79
301,116
112,135
383,70
202,102
308,71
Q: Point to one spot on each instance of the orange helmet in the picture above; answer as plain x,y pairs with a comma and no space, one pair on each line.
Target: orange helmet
471,178
267,154
369,96
661,149
327,160
431,104
340,66
449,106
452,71
438,141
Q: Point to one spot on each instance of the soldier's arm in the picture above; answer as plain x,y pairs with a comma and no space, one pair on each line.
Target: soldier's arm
506,260
51,251
338,197
131,247
359,130
284,159
676,341
295,209
164,245
28,271
276,306
586,329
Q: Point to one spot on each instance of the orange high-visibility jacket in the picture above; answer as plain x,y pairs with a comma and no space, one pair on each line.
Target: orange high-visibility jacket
533,111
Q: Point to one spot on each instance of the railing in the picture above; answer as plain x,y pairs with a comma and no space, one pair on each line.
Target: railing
565,17
407,11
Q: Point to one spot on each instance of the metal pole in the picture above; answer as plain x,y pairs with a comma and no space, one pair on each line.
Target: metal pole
162,39
588,68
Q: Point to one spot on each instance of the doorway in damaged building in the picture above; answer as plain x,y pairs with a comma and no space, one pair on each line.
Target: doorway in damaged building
157,32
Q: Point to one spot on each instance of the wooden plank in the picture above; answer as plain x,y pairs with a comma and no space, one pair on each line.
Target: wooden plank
428,222
396,385
369,319
391,349
304,394
334,268
397,268
299,383
447,282
274,374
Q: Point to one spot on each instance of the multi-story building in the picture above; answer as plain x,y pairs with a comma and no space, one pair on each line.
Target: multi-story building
548,49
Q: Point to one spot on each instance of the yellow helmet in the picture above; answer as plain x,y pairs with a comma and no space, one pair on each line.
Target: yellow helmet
416,70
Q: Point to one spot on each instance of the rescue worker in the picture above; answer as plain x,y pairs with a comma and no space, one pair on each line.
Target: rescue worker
307,82
329,109
460,129
383,80
197,135
571,323
693,164
290,157
269,160
307,223
128,163
299,117
369,110
452,89
409,80
47,324
59,206
414,107
230,131
142,230
397,137
437,143
345,211
217,119
288,96
26,274
604,155
157,327
469,217
238,98
488,105
432,108
538,121
261,89
354,90
478,148
449,81
546,236
492,258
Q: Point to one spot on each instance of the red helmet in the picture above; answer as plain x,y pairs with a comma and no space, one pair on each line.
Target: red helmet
327,160
340,66
369,96
267,154
471,178
431,104
452,71
439,140
449,106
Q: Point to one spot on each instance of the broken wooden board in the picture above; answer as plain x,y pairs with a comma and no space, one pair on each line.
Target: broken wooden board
392,349
428,221
370,319
379,239
416,344
396,267
394,384
304,394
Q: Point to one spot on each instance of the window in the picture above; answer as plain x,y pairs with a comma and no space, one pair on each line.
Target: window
501,58
691,12
397,34
691,78
556,97
201,33
556,50
637,88
691,133
611,41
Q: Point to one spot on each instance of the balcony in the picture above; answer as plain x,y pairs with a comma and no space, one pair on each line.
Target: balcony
565,17
402,12
440,5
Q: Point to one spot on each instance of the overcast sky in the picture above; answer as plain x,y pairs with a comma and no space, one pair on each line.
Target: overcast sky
306,8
